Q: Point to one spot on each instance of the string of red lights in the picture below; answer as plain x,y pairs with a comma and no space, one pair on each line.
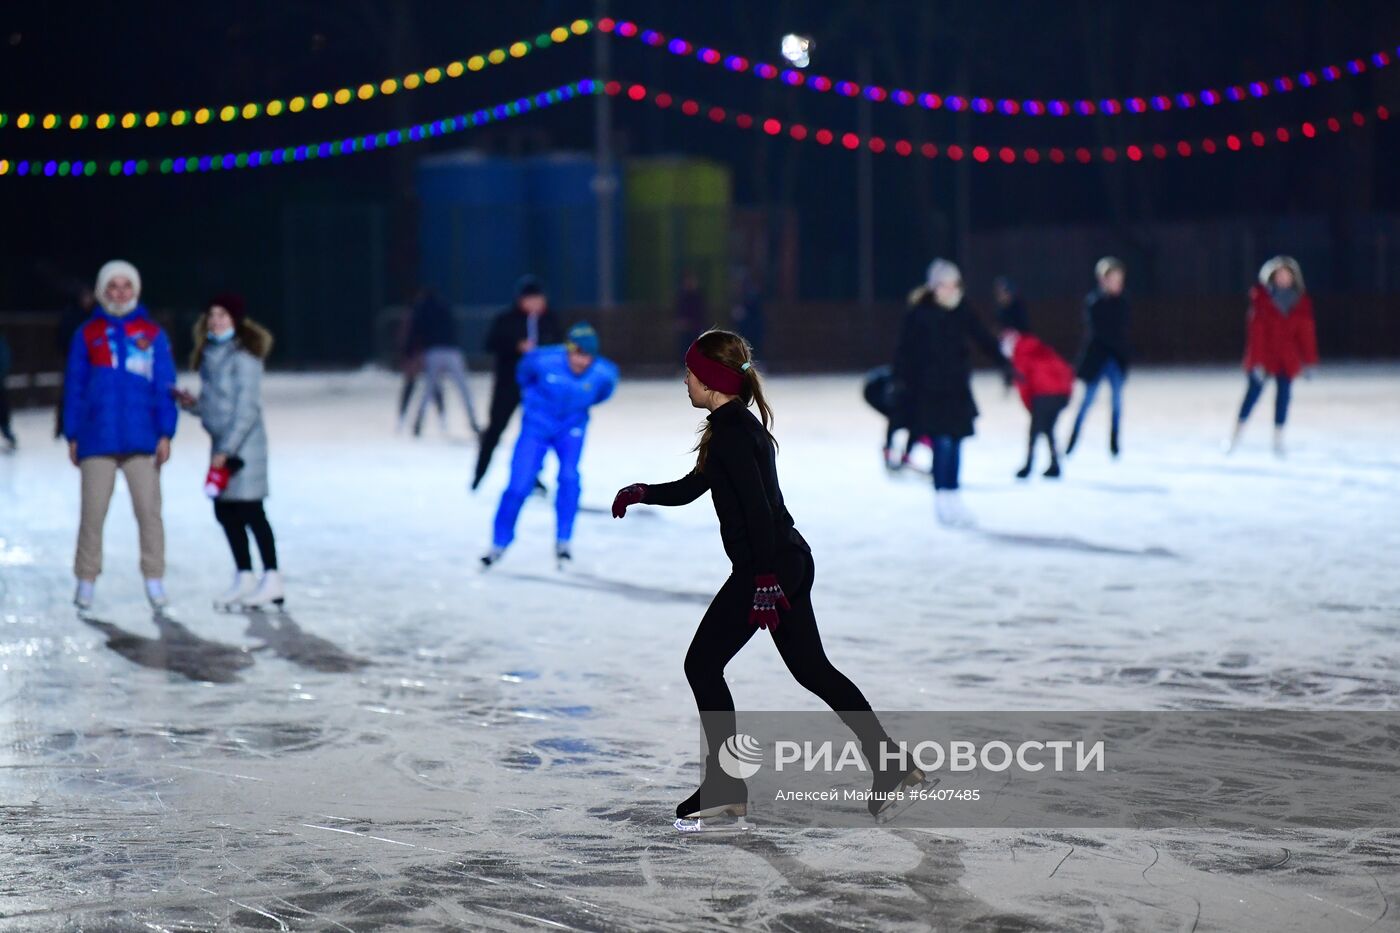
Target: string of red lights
1008,155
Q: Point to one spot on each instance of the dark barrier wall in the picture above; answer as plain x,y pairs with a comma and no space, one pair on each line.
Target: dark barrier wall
817,336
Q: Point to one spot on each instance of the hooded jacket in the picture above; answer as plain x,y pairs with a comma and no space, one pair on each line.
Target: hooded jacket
1040,371
116,389
230,405
1280,341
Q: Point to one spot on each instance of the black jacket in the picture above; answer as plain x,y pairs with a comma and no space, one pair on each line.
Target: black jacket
741,473
933,368
431,325
508,329
1106,322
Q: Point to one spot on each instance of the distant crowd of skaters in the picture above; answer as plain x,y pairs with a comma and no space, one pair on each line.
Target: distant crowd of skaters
927,392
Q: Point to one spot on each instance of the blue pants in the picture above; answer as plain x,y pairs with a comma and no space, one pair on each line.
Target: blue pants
525,465
1256,389
946,455
1115,376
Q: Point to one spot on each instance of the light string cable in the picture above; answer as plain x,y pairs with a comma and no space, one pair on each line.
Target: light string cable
301,103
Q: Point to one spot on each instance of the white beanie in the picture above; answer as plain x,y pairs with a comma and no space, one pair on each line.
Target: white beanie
109,271
942,272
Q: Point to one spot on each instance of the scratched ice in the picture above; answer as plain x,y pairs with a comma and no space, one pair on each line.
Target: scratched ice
417,745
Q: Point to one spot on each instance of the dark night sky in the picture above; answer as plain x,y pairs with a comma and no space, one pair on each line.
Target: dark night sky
65,57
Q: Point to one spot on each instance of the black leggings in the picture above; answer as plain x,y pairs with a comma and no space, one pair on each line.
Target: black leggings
505,397
725,629
237,519
1045,411
5,431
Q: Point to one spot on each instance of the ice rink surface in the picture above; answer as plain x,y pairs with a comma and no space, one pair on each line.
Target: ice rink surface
419,745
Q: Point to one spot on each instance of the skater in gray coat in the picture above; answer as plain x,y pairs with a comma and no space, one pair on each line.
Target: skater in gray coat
228,355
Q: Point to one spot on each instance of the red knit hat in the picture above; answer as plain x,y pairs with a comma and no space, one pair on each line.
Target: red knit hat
232,302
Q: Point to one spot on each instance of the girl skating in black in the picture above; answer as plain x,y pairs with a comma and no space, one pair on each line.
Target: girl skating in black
770,586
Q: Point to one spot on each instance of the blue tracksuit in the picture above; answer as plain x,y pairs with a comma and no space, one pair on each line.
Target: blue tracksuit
556,404
116,391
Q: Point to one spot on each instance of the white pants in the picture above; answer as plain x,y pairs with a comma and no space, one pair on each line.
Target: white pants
447,361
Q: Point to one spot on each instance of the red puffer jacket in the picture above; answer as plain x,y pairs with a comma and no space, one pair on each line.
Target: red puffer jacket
1041,371
1280,344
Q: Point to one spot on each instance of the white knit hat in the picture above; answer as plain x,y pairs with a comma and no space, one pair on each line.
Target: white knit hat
943,272
109,271
1107,264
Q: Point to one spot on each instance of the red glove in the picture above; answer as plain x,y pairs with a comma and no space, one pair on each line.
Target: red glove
627,495
768,598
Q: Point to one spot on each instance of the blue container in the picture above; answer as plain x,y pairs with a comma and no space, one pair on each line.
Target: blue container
563,235
472,223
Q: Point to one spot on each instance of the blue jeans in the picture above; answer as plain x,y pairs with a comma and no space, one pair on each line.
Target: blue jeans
946,453
1281,397
1115,376
525,465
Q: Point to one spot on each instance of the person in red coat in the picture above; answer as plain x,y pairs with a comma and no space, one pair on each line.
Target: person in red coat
1045,382
1281,341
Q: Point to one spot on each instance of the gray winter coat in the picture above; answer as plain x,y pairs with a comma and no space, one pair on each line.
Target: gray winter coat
230,408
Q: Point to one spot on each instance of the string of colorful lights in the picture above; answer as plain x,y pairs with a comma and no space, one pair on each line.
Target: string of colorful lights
370,142
1008,155
1033,107
639,93
317,100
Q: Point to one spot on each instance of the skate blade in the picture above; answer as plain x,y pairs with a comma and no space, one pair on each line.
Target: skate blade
916,780
728,825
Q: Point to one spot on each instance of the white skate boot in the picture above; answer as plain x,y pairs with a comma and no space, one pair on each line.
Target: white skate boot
1235,436
242,587
155,594
563,555
83,596
1278,443
268,593
949,508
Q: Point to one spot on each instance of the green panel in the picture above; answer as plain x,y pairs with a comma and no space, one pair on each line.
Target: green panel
677,218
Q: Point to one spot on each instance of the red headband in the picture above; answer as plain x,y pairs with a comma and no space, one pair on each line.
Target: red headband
713,373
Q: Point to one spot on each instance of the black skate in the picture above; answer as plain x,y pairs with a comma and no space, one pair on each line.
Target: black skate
720,804
1113,441
1052,471
1024,472
891,793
